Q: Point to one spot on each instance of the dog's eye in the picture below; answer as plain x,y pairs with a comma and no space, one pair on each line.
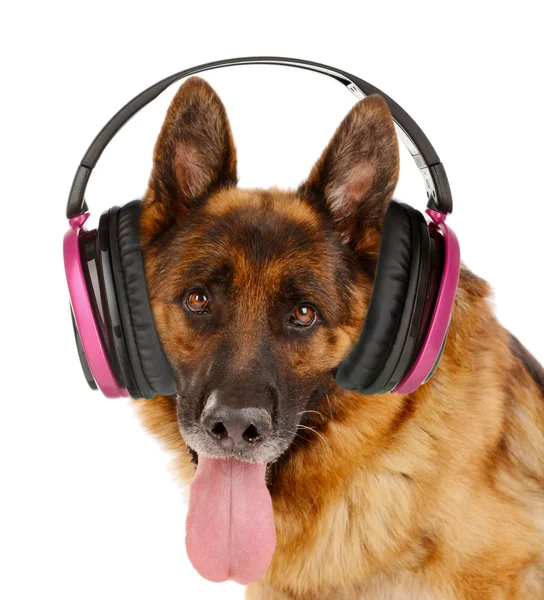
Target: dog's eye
198,302
304,315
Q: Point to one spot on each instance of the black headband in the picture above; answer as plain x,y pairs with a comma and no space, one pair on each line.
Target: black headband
421,149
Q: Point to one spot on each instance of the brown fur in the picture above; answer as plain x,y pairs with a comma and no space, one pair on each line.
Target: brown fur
434,495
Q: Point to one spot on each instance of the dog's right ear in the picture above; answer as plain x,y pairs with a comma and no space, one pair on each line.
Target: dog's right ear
194,155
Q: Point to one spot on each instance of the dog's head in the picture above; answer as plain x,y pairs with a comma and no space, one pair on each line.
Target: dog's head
258,295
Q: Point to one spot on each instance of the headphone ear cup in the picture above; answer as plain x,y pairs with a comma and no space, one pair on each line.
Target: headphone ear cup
152,372
81,353
112,319
386,346
83,280
438,358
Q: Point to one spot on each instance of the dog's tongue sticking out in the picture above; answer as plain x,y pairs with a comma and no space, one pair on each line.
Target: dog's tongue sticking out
230,532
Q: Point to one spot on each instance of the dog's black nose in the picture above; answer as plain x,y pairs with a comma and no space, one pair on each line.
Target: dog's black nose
237,428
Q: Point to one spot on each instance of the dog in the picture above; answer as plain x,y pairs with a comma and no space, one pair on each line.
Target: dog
310,491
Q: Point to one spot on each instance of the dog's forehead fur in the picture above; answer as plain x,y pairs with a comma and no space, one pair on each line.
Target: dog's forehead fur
270,242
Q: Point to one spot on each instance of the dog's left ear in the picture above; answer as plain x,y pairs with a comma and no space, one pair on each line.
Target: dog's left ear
356,175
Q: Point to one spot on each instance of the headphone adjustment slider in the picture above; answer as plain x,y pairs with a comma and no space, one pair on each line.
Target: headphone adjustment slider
78,222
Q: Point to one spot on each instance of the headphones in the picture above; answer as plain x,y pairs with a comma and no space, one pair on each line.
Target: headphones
416,279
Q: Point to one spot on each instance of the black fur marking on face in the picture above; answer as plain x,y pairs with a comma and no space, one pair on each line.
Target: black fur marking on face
313,400
260,234
209,273
332,337
193,455
532,366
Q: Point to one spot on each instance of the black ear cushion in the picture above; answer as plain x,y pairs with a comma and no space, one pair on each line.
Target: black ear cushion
110,308
434,279
149,365
381,355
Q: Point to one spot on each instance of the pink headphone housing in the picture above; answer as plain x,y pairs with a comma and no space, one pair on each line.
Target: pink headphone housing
431,350
83,313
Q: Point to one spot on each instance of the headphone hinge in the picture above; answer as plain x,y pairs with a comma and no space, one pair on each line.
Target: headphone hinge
438,188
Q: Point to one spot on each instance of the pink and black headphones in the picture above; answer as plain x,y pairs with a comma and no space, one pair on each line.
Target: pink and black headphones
406,327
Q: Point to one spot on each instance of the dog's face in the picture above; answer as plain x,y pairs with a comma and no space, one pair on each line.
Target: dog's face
258,295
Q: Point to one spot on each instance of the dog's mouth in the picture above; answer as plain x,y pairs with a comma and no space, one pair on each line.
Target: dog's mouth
230,529
194,456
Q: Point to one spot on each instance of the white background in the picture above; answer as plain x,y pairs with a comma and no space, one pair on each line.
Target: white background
88,507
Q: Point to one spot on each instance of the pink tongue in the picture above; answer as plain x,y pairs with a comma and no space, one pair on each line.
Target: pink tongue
230,532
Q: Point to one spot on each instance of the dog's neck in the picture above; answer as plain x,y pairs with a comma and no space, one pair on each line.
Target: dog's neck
365,474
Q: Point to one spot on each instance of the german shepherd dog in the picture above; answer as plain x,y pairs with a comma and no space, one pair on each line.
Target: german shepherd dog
301,489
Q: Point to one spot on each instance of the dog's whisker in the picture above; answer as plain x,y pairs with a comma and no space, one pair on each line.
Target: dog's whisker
312,411
314,430
297,435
